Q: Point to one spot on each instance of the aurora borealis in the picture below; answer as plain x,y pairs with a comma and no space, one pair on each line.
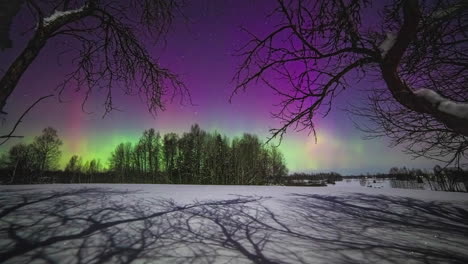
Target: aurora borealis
201,51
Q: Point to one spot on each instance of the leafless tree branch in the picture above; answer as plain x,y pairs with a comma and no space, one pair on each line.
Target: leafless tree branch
10,134
416,50
107,48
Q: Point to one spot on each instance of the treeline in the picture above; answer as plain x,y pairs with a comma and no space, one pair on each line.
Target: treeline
26,163
312,179
195,157
439,179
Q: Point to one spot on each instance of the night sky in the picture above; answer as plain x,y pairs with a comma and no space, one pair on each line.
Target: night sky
201,52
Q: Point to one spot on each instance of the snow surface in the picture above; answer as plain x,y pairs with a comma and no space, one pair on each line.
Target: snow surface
388,43
132,223
443,104
57,14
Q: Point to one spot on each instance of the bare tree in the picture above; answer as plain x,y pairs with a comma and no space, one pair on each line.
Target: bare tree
46,149
416,50
10,135
106,40
74,164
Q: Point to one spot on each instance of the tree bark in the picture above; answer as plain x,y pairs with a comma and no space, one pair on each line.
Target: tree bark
8,10
19,66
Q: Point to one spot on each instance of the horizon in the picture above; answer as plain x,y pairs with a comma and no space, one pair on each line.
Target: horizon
105,159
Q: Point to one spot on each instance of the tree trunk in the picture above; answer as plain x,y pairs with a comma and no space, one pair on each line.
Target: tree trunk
28,55
12,180
400,91
8,10
19,66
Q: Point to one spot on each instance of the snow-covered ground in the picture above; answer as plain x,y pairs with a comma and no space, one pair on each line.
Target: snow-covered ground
345,223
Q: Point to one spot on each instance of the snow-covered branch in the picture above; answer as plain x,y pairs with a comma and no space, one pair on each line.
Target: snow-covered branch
445,105
445,12
387,44
58,14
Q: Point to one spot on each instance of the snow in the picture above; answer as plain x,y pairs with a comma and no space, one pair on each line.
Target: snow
57,14
454,108
445,12
429,95
388,43
343,223
445,105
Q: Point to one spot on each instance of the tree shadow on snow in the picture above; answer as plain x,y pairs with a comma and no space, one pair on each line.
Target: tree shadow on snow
99,225
384,229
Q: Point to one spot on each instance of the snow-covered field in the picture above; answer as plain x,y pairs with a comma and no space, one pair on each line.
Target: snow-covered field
345,223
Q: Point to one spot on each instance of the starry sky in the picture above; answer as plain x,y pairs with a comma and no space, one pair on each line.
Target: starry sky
201,50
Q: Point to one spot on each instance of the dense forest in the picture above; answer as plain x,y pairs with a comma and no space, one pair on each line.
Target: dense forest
195,157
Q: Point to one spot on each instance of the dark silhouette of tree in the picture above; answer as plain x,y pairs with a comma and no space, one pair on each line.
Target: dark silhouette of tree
27,163
46,149
121,161
139,159
196,157
417,50
198,137
106,47
448,179
248,153
74,168
94,166
277,164
10,135
186,159
8,10
216,159
20,160
223,159
150,145
74,164
169,152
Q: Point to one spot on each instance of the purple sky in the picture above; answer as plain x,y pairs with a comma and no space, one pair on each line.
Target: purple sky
201,51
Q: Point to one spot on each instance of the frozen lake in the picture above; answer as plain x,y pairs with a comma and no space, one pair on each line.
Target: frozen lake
125,223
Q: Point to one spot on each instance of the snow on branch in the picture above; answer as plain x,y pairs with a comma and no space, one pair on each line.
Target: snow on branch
443,104
58,14
446,12
387,44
